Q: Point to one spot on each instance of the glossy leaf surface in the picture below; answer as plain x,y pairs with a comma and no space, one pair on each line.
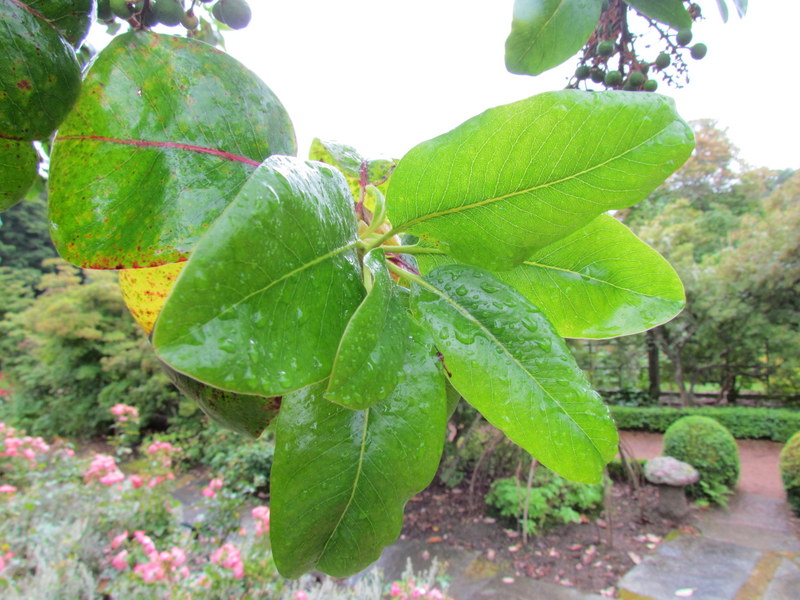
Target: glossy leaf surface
669,12
19,163
263,302
40,77
601,281
545,33
145,291
372,350
521,176
249,415
340,478
164,134
356,168
72,18
509,363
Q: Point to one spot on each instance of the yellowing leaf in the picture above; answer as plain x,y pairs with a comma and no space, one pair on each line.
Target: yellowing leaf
145,291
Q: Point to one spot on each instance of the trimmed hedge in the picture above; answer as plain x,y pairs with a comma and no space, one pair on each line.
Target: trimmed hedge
708,447
744,423
790,471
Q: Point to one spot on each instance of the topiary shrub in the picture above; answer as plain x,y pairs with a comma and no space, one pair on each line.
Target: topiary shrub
790,471
711,449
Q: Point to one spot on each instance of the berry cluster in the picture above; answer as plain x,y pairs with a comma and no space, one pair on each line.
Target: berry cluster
610,57
149,13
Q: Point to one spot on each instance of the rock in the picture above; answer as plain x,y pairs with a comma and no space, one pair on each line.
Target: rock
671,475
665,470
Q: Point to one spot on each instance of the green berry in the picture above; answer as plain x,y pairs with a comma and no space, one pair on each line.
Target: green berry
699,51
636,79
583,72
168,12
120,8
613,78
234,13
605,48
597,75
190,20
684,37
663,60
651,85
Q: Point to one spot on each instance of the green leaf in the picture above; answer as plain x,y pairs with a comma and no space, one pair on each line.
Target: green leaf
19,163
521,176
357,169
72,18
545,33
262,304
249,415
669,12
723,10
40,78
372,350
601,281
341,478
165,132
509,363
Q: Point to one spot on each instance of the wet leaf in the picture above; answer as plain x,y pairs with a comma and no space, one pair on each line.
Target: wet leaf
522,176
19,163
372,350
341,478
263,302
669,12
249,415
509,363
600,282
356,168
40,77
72,18
545,33
145,291
165,132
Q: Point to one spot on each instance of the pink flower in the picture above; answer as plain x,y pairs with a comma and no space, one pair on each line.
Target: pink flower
103,469
119,540
147,544
7,489
156,447
208,492
395,591
112,478
178,556
229,557
2,563
301,595
122,411
215,484
261,516
120,560
136,481
435,594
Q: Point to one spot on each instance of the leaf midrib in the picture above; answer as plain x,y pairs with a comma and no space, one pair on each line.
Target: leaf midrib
486,201
361,453
463,311
596,279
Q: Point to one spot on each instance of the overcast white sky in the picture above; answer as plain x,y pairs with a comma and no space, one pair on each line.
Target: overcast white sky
385,75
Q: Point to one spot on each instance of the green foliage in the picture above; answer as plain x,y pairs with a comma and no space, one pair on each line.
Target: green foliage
551,499
744,423
24,238
286,289
710,448
73,353
790,471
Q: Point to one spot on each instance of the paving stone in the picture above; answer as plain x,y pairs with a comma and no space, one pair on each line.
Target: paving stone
785,585
714,570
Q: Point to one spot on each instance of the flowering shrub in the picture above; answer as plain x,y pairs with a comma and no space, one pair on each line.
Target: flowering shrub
121,534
